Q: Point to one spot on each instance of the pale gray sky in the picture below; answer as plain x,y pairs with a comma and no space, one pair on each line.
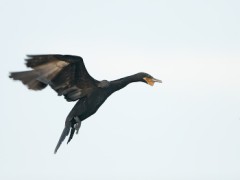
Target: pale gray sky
186,128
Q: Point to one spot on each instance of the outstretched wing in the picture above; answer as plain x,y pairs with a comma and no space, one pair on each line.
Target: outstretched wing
66,74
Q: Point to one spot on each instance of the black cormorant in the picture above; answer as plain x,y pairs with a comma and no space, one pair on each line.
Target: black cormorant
67,75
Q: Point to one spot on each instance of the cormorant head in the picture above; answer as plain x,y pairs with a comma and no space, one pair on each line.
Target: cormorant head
148,78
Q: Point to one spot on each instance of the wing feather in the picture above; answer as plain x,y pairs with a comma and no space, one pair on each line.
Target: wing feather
66,74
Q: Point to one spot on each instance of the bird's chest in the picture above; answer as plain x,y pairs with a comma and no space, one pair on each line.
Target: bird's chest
97,100
94,102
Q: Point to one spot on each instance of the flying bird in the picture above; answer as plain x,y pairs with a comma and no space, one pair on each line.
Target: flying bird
68,76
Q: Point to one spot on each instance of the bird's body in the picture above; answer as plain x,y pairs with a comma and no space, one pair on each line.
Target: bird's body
68,76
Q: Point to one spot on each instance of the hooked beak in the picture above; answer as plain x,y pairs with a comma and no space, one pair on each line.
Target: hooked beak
151,81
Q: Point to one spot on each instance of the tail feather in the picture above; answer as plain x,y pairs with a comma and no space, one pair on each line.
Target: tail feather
62,137
29,78
69,125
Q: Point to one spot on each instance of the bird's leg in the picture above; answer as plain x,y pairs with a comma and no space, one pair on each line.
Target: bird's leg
78,124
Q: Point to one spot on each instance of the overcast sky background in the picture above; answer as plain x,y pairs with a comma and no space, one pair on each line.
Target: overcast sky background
186,128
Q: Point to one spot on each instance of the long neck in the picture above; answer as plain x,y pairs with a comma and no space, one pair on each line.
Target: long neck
121,83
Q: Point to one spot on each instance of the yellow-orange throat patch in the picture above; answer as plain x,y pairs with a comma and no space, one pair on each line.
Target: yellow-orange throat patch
149,81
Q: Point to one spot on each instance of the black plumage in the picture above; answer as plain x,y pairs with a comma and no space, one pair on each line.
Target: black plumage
67,75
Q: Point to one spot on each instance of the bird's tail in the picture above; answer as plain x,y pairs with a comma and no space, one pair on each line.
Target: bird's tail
29,78
63,136
70,125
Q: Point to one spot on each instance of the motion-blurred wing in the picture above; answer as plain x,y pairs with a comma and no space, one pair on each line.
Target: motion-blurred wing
66,74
